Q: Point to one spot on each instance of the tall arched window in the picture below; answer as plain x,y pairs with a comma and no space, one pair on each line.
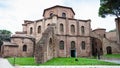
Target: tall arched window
82,29
64,15
50,41
61,27
83,45
73,45
61,45
24,47
31,30
72,29
39,29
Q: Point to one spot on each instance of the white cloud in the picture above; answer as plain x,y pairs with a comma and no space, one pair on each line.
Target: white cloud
19,10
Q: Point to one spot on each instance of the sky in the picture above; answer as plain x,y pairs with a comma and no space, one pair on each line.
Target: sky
14,12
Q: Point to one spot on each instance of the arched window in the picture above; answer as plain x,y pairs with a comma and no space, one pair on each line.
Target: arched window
61,45
72,29
48,24
82,29
50,41
39,29
64,15
61,27
51,14
83,45
24,47
73,45
104,35
31,30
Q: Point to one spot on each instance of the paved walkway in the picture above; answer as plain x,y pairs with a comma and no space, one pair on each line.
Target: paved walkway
112,60
5,64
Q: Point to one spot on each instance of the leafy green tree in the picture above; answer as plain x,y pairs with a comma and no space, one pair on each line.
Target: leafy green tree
109,7
5,35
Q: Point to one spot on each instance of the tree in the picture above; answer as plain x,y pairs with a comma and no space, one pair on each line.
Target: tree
5,35
109,7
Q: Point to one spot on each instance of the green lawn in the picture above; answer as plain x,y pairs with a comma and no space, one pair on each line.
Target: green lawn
22,61
112,56
60,61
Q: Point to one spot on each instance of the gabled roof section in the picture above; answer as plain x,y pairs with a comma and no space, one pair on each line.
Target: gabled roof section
58,6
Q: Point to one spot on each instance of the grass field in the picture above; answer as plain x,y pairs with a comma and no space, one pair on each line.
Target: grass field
22,61
60,61
112,56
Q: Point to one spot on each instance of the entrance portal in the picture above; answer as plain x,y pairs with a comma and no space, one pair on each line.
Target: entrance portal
109,50
73,53
96,46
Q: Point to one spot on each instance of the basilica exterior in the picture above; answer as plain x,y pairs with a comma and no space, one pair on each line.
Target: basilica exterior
59,34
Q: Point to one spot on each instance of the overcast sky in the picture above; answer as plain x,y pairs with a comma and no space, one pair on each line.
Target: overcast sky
14,12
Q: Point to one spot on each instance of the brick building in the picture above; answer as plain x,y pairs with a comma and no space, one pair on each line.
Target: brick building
59,34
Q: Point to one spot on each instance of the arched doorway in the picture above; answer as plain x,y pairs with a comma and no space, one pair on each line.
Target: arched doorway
109,50
96,46
73,50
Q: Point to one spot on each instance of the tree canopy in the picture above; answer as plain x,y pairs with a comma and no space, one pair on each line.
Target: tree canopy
109,7
5,35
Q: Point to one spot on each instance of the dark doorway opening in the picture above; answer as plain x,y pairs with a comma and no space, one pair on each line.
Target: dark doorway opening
73,53
96,46
109,50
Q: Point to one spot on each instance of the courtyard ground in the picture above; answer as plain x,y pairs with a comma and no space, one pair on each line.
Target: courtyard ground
29,61
106,61
5,64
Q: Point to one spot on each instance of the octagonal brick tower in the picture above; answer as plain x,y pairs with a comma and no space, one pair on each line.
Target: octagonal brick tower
60,11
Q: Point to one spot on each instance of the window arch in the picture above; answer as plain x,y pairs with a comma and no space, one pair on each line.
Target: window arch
39,29
51,14
31,30
61,45
61,27
24,47
50,41
63,14
48,24
73,45
82,29
83,45
72,29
